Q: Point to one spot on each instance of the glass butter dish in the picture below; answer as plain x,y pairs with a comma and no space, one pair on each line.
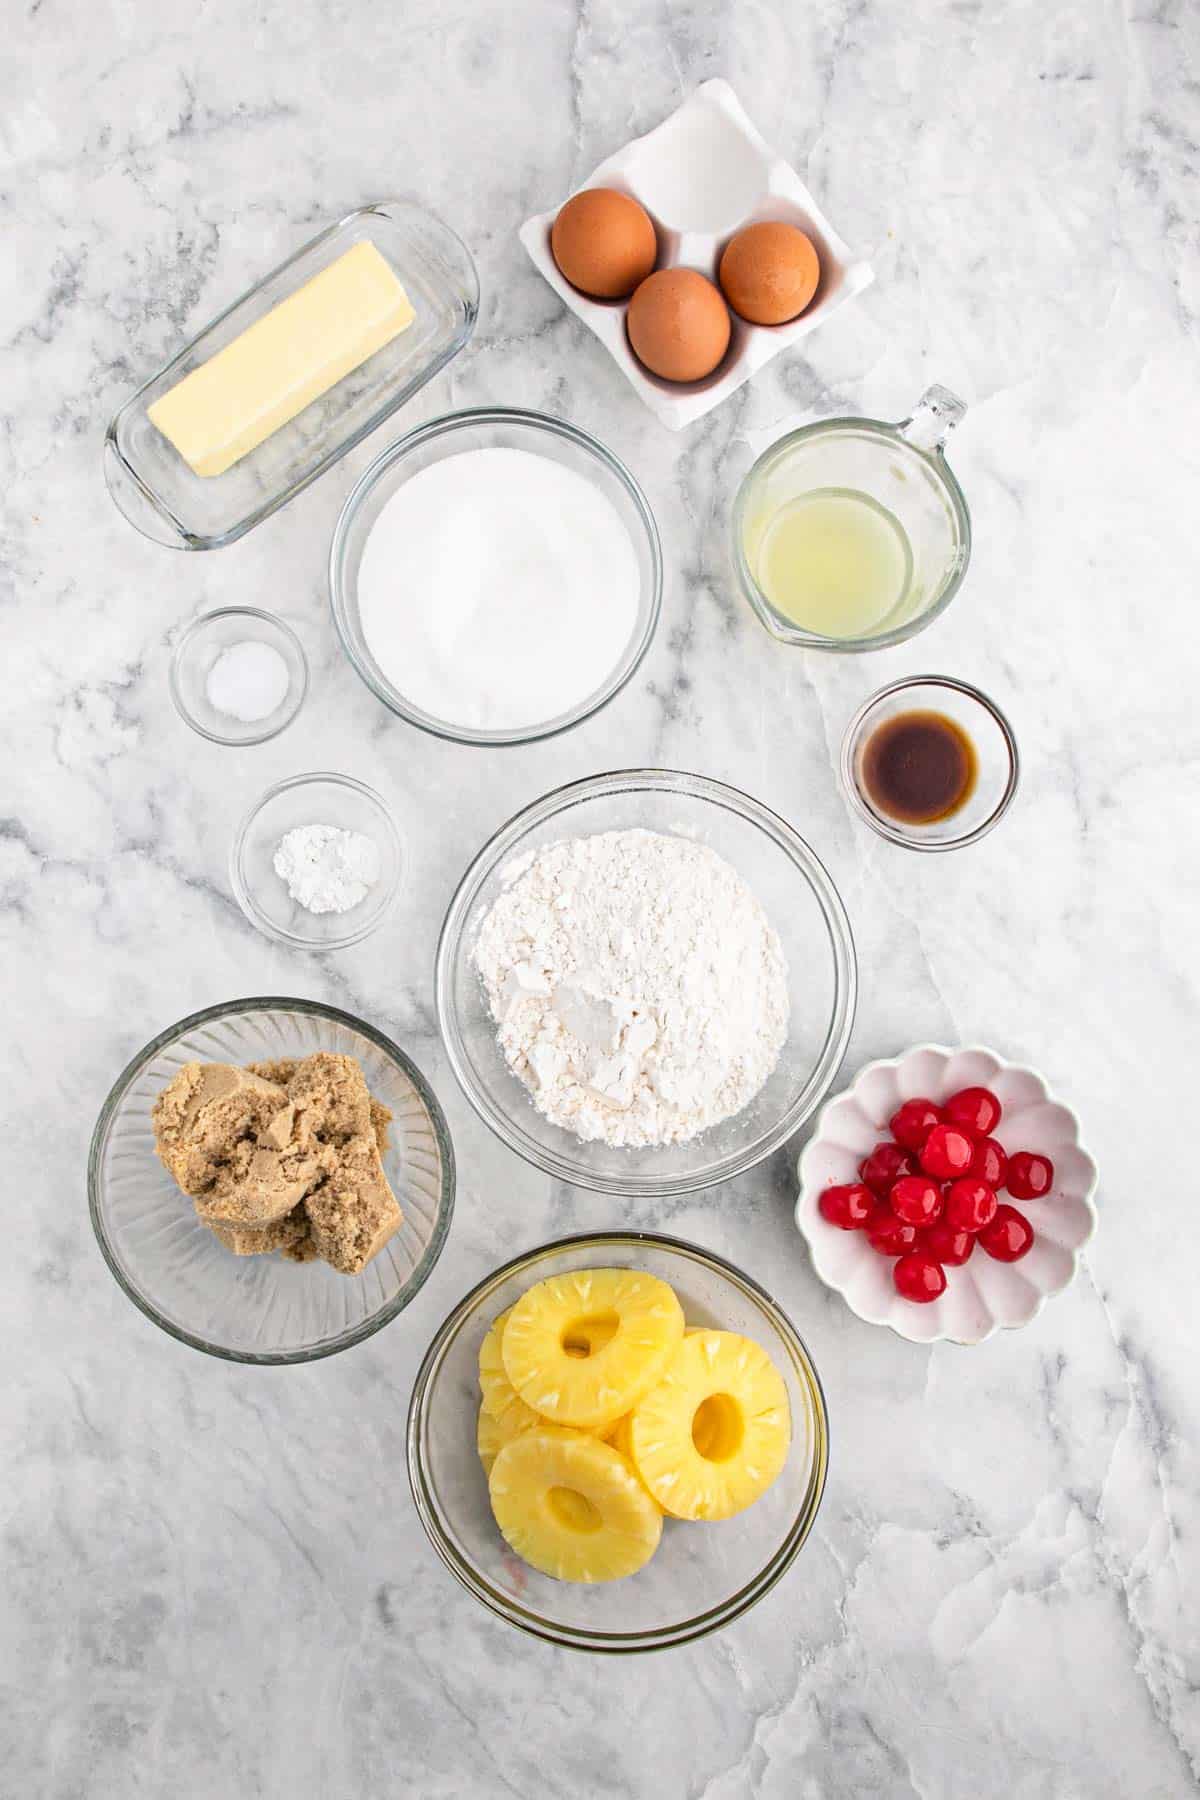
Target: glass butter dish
157,490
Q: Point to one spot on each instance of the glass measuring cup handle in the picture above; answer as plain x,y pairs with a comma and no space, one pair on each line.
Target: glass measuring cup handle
932,420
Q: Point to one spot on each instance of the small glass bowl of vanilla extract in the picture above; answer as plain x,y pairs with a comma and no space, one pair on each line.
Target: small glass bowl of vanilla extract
930,763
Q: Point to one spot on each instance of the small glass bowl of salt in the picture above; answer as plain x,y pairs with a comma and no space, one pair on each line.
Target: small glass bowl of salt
238,676
317,862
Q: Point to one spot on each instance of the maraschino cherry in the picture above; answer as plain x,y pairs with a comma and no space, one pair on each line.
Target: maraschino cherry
1029,1175
918,1277
1009,1236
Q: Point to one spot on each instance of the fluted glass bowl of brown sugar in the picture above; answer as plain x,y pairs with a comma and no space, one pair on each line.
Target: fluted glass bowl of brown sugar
702,1576
263,1309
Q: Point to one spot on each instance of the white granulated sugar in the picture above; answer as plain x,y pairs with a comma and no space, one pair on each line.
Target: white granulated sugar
638,988
498,589
327,870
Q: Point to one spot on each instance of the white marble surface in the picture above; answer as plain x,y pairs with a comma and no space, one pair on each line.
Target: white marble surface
215,1584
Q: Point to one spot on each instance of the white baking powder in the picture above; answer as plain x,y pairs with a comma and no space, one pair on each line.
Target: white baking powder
637,986
497,589
327,869
248,681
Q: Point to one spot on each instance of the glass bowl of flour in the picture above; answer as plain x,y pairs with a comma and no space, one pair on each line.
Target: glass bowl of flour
496,576
646,983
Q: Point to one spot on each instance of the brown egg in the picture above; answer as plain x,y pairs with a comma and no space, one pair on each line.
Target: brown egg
678,325
604,243
770,272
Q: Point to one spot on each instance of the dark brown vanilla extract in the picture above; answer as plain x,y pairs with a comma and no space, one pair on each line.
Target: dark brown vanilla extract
918,767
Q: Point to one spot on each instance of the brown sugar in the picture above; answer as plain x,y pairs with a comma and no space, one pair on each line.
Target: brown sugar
353,1213
283,1155
331,1099
286,1234
343,1082
230,1140
199,1087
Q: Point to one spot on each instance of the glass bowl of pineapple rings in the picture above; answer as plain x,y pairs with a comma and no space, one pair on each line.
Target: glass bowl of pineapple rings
617,1442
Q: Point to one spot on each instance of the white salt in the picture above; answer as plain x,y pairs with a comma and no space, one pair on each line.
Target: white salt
248,681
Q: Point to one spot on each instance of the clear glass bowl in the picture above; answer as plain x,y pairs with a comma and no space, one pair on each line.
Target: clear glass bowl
799,899
998,765
262,1309
320,799
490,428
162,497
198,649
702,1576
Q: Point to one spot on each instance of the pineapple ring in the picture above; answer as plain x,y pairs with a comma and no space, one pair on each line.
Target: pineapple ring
620,1437
572,1506
489,1440
710,1439
500,1399
489,1351
503,1415
582,1348
493,1432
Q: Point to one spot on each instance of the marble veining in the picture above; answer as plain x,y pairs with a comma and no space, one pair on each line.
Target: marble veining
215,1584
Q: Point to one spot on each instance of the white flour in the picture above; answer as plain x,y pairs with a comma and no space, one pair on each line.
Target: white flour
327,869
638,987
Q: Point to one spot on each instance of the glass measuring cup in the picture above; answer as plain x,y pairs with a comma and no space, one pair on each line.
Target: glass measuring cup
852,534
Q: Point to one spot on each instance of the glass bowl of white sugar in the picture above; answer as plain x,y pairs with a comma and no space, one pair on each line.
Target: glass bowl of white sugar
238,676
646,983
496,576
317,862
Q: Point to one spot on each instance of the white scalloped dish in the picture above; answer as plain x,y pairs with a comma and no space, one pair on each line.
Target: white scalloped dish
983,1296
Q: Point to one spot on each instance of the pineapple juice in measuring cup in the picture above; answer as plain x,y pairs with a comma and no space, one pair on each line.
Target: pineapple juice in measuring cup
852,534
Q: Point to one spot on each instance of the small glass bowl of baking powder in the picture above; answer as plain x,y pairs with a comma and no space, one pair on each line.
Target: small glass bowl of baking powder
238,676
264,878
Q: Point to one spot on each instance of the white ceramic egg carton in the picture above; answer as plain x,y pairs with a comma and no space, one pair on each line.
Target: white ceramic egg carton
701,175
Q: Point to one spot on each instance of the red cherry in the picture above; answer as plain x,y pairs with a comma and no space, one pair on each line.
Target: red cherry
916,1200
918,1277
892,1236
989,1162
947,1243
862,1206
1029,1175
912,1122
970,1204
885,1165
848,1205
975,1110
1009,1235
946,1153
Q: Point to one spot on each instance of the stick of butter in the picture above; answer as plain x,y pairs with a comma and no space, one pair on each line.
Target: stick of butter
284,361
